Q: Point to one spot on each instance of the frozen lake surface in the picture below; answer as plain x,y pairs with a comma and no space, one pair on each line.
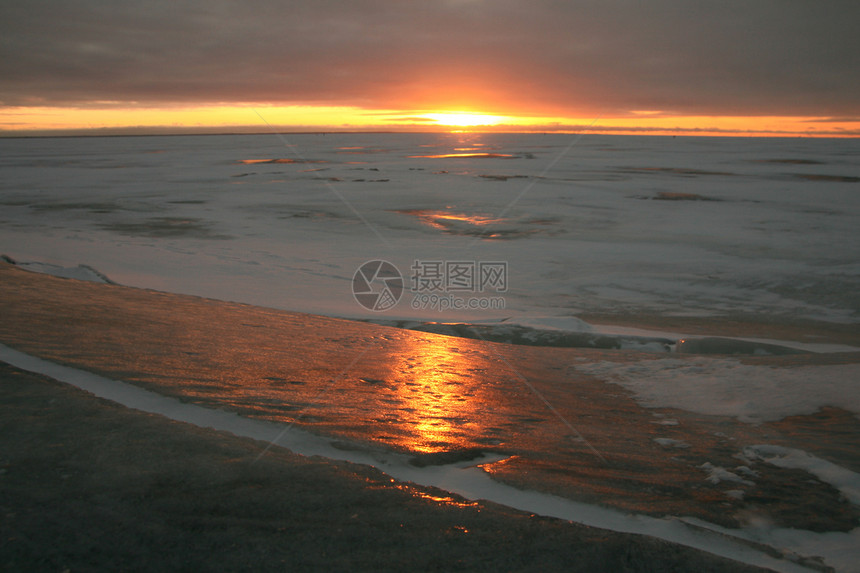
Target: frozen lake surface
583,224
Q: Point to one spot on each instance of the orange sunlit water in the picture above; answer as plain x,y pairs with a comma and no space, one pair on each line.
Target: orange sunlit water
438,408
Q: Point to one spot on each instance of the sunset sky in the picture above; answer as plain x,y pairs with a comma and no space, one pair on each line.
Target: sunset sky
748,67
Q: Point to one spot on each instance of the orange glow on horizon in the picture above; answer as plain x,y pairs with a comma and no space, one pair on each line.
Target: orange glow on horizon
466,119
109,118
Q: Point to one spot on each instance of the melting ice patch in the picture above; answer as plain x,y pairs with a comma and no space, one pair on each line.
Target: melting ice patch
726,387
80,272
846,481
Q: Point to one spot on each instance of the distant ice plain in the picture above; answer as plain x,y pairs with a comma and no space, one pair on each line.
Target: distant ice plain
594,224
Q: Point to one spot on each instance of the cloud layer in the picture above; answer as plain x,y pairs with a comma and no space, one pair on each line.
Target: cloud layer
769,57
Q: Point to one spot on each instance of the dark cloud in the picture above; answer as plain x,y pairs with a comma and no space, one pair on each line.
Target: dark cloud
775,57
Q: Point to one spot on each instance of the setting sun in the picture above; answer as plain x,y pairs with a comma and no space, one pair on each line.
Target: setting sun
464,119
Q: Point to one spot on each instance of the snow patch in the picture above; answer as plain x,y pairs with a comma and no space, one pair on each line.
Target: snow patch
670,443
726,387
716,474
846,481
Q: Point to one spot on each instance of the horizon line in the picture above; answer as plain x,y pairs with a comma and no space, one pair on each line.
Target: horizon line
155,131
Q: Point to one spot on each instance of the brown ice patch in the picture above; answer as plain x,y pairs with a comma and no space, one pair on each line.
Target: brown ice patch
790,161
278,160
673,196
680,171
829,178
167,227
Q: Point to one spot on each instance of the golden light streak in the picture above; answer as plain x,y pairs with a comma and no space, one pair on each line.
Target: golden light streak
178,118
118,117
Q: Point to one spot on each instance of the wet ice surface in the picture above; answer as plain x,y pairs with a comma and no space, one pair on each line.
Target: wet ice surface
672,226
587,434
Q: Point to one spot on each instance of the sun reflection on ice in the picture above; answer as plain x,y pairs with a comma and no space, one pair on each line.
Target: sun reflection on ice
440,499
465,155
438,407
444,220
476,224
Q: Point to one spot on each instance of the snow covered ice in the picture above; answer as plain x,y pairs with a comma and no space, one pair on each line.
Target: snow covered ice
598,224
